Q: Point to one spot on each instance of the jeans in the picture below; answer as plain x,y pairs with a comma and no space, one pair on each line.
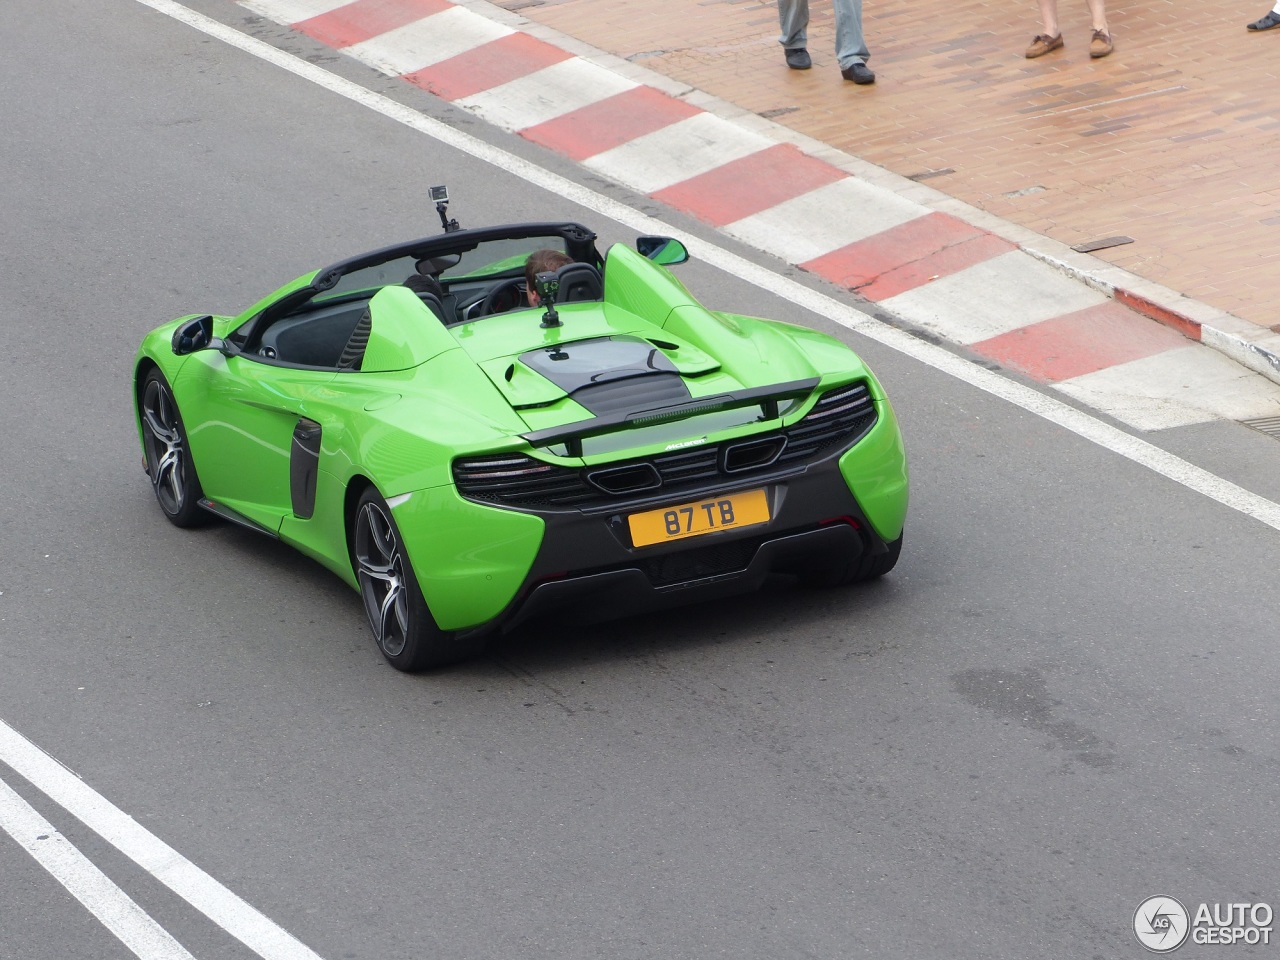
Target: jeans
851,48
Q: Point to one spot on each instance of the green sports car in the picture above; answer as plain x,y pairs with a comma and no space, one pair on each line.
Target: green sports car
471,445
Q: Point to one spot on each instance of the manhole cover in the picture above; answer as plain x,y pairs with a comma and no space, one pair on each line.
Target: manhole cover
1268,425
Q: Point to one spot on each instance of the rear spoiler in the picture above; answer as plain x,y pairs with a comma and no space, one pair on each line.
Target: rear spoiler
765,397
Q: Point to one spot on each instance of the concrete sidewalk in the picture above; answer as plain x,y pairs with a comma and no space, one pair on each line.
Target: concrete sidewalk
1173,140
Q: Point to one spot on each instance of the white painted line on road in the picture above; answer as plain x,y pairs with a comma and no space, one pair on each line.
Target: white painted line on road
175,871
1049,408
71,868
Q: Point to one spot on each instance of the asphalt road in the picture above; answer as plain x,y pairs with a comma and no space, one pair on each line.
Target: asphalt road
1062,702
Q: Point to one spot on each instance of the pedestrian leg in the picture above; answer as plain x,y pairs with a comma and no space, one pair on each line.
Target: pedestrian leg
851,47
793,17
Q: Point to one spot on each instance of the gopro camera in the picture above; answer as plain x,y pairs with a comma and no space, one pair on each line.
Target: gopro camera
548,288
440,197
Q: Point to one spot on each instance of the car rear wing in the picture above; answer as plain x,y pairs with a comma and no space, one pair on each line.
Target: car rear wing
767,398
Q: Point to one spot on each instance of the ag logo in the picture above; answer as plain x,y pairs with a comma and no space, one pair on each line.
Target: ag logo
1161,924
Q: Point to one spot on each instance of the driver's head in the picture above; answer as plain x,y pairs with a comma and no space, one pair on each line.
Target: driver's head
541,261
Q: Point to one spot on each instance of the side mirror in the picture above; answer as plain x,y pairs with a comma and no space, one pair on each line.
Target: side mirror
663,250
193,335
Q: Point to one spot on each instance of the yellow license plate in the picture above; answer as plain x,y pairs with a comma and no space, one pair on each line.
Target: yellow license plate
698,517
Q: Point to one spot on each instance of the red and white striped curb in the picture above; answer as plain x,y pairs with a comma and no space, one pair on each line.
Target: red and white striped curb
1008,294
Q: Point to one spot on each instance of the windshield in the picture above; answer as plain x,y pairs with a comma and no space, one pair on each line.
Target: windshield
499,258
372,278
492,258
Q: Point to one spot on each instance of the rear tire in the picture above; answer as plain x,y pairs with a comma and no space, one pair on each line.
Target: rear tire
864,567
173,475
402,624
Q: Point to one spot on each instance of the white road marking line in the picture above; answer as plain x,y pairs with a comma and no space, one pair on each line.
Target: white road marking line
825,219
1049,408
175,871
71,868
996,296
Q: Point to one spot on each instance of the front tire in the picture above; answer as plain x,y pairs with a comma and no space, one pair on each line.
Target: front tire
402,624
173,475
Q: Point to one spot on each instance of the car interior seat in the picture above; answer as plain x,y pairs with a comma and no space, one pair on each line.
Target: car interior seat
434,304
578,282
430,292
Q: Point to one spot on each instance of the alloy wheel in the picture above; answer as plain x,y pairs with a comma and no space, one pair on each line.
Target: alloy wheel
166,447
380,572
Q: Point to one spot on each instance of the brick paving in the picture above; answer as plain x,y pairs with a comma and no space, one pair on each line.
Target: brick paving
1172,140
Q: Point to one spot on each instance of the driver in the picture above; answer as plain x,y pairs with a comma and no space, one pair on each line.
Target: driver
541,261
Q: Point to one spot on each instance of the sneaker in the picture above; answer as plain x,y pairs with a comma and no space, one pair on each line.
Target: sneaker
1272,19
798,58
1042,44
1100,45
858,73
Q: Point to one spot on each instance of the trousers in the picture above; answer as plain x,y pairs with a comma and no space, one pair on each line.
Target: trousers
851,47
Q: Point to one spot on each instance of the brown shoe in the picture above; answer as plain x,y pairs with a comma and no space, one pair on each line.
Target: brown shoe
1042,44
1100,45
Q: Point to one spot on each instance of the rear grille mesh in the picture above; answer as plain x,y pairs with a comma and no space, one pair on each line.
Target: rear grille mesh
520,481
838,418
701,562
